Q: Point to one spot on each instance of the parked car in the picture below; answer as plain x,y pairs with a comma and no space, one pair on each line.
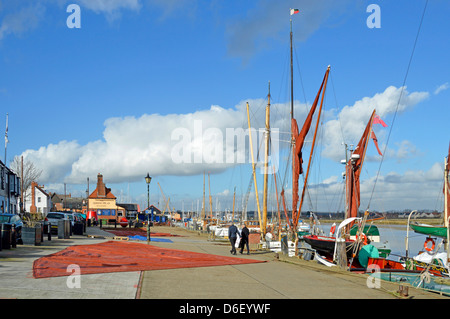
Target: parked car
54,217
77,217
13,219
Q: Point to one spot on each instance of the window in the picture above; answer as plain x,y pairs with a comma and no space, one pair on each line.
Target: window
39,199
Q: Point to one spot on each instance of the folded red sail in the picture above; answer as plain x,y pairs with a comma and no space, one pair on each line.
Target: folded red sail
299,140
353,171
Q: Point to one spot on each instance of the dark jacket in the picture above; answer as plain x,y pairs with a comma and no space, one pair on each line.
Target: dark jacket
232,232
244,234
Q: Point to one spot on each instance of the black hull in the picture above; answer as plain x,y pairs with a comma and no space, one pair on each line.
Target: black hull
325,245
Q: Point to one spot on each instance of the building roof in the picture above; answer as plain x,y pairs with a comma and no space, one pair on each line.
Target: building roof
108,195
155,209
41,190
102,191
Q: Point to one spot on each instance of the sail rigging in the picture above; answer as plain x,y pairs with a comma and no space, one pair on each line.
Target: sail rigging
353,171
299,139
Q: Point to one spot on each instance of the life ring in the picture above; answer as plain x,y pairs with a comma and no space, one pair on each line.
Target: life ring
426,247
364,238
333,229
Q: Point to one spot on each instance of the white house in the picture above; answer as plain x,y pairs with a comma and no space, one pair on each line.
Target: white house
41,202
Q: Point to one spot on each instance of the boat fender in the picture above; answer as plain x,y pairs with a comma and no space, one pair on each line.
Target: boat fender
430,250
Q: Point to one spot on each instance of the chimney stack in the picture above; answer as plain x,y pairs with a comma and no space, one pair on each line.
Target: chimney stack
33,208
101,189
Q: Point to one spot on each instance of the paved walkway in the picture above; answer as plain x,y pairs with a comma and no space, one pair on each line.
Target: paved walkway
290,278
273,279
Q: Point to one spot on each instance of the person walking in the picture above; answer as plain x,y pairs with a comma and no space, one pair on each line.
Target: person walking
244,240
232,235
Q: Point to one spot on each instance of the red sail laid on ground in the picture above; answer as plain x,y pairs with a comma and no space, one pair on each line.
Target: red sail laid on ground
114,256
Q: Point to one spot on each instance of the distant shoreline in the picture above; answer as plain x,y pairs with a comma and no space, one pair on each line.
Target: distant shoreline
393,221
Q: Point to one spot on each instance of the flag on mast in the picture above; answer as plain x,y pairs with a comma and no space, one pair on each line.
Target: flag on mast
378,120
294,11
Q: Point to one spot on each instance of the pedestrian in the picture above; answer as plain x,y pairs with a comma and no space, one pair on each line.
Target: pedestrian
244,239
232,235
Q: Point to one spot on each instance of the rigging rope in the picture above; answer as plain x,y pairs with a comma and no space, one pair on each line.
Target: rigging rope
398,103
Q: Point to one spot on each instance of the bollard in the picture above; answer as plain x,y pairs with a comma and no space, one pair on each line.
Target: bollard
403,291
49,233
6,236
14,237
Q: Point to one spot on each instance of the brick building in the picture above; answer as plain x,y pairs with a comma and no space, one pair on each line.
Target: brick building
103,201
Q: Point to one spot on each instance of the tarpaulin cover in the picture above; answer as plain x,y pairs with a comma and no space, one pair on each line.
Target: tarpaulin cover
140,232
138,237
115,256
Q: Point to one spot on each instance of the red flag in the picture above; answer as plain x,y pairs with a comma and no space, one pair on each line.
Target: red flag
378,120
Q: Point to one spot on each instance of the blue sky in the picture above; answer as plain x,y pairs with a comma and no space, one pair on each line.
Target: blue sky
107,97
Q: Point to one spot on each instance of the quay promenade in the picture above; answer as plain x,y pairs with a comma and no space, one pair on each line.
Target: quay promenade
283,278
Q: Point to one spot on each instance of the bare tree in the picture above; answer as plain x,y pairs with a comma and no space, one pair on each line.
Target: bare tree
28,173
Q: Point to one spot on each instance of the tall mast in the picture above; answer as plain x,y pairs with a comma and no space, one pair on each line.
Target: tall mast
253,165
234,197
266,164
446,190
292,113
6,139
292,76
210,198
203,203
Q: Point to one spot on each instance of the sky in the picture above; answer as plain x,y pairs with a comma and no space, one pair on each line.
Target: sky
129,87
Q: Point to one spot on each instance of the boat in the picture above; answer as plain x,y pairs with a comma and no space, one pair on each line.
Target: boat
440,231
430,259
430,230
327,244
373,237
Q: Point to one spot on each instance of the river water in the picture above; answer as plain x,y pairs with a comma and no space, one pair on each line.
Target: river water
395,235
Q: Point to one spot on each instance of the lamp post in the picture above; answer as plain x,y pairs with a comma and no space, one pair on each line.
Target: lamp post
148,179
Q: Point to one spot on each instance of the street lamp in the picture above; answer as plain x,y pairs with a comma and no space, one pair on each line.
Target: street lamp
148,179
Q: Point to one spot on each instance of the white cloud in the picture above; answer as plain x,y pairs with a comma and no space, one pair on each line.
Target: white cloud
351,121
441,88
19,20
267,20
25,15
133,145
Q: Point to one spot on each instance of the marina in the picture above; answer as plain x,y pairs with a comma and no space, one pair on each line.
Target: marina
291,278
160,165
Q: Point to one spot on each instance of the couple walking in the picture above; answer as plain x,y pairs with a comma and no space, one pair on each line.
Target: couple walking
233,232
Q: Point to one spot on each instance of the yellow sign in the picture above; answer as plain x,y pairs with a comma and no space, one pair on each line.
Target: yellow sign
102,203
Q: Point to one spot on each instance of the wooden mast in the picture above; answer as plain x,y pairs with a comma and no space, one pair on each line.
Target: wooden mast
446,202
292,116
253,165
203,203
278,205
266,165
234,197
446,189
210,198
